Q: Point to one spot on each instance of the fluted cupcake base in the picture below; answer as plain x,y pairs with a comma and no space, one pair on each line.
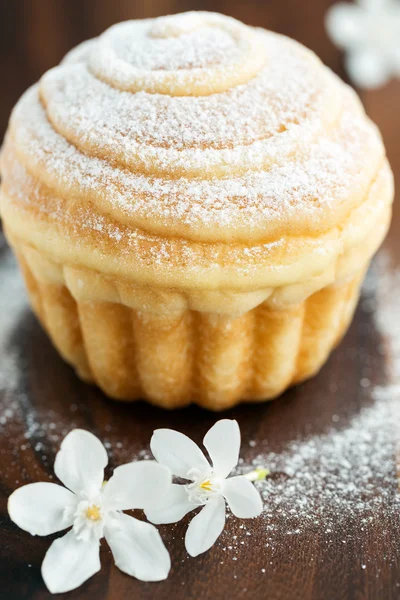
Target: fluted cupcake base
174,359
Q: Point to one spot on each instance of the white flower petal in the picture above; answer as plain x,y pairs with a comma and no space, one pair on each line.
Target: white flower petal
137,485
395,57
173,507
367,68
81,461
70,562
375,5
243,498
345,24
178,452
137,548
223,445
206,527
39,507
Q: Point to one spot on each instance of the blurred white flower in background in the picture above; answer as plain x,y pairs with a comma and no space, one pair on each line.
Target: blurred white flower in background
369,32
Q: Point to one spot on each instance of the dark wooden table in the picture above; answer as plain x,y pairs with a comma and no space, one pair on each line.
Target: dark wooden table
351,552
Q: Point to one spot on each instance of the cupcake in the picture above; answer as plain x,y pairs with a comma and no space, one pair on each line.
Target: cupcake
193,204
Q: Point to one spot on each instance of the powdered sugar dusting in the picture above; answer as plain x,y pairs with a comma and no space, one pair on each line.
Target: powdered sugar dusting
84,106
289,192
157,47
321,482
12,305
281,149
387,281
197,53
16,407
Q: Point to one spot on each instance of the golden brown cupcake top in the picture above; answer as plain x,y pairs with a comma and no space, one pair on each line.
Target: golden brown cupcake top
196,152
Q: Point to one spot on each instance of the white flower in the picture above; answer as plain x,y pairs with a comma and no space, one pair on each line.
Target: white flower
208,487
369,32
93,510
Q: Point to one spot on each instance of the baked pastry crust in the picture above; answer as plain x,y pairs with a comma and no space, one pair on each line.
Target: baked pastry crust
186,195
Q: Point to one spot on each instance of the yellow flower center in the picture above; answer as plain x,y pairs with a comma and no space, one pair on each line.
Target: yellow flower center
206,485
93,513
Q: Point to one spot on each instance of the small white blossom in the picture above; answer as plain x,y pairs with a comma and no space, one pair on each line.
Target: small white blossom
208,485
94,510
369,32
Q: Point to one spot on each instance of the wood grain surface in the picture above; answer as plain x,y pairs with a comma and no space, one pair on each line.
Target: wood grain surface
41,399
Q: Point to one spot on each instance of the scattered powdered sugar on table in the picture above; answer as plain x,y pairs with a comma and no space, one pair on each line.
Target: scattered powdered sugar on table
386,314
384,305
12,304
15,405
324,480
